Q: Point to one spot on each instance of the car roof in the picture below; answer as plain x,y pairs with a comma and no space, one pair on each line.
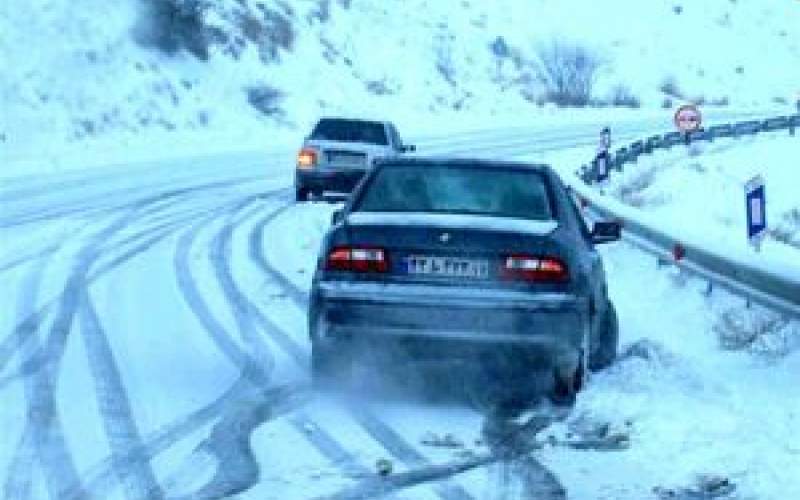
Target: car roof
346,119
437,161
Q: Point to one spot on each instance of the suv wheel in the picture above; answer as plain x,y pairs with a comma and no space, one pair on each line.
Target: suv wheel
605,348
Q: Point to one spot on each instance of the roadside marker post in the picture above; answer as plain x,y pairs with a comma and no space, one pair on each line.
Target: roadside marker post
756,206
601,160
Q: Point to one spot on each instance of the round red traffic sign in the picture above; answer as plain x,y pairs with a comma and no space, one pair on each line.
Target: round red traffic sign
688,118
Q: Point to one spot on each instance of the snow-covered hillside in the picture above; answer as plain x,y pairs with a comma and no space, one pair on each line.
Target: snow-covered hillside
107,73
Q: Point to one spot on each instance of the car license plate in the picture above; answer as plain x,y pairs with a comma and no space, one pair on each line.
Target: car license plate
447,266
346,159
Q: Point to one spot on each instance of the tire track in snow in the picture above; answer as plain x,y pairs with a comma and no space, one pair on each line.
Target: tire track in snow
334,451
229,441
131,465
19,335
18,482
43,435
107,202
43,432
373,425
101,478
194,299
378,486
514,472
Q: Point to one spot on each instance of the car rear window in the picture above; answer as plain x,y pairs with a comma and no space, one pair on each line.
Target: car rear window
350,131
500,192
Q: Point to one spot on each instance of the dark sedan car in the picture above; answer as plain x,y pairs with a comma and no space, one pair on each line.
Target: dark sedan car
472,261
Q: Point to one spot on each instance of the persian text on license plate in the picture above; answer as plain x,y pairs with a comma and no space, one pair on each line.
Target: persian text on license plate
447,266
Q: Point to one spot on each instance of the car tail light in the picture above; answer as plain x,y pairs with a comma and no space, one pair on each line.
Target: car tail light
533,268
357,259
307,158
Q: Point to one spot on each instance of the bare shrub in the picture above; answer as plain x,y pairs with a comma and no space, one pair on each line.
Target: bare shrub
321,13
270,31
720,101
265,99
787,230
499,47
631,192
669,86
173,25
378,87
759,331
621,95
280,31
444,60
568,71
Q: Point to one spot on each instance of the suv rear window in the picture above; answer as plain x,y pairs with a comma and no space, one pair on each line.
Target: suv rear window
350,131
464,189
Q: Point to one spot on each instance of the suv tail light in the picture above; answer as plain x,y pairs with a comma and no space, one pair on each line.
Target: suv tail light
533,268
307,158
357,259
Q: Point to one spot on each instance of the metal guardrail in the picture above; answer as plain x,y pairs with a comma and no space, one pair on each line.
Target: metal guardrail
769,287
632,152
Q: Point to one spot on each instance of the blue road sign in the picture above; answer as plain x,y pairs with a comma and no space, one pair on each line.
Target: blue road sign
755,198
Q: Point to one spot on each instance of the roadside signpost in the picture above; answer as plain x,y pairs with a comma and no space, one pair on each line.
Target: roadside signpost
688,118
601,160
755,199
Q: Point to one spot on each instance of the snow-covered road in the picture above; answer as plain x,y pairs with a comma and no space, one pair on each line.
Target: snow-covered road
153,345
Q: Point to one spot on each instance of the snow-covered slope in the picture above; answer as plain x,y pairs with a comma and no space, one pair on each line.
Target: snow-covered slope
705,184
75,73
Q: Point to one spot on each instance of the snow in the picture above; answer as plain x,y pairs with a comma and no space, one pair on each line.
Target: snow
153,336
455,221
673,186
182,317
98,98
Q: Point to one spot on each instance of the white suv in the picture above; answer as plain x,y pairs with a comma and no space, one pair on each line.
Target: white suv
340,151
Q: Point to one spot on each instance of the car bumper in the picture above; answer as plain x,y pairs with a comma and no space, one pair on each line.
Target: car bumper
440,323
340,180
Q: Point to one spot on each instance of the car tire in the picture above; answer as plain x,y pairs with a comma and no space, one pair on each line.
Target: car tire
330,369
605,349
565,389
302,194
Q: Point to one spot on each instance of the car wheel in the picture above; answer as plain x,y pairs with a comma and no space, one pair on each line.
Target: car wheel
566,388
605,349
302,194
330,369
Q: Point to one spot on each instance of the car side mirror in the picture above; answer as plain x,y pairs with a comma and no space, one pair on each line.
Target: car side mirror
336,217
606,232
